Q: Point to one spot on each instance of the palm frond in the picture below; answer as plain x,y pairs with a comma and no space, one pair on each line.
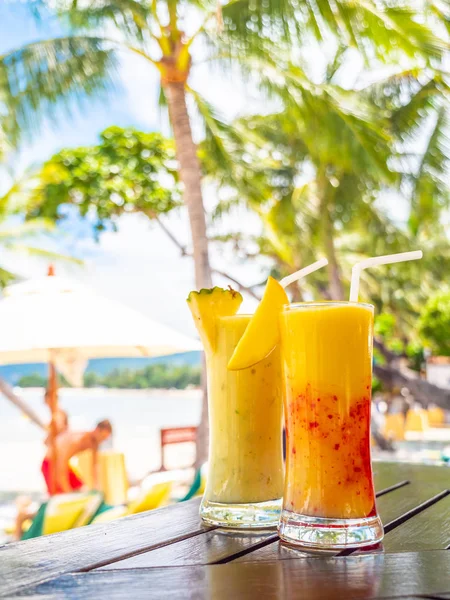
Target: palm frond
222,146
214,128
374,28
336,125
430,194
409,117
26,229
132,18
17,197
8,137
6,277
394,27
37,252
441,12
34,79
245,21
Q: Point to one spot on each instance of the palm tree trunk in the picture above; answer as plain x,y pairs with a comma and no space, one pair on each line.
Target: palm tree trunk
334,274
190,176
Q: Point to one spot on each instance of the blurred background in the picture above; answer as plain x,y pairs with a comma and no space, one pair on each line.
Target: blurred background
151,147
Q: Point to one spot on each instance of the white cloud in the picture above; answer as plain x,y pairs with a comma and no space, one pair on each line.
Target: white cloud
141,267
140,81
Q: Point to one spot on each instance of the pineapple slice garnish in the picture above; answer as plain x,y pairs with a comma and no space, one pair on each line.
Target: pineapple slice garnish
209,304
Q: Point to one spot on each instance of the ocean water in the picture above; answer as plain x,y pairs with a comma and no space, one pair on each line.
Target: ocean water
137,417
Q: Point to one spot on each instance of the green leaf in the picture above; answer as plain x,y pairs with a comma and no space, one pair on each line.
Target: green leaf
128,171
430,192
434,323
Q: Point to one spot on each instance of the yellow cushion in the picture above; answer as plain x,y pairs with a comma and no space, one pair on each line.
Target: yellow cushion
66,511
111,515
394,426
151,498
436,416
417,420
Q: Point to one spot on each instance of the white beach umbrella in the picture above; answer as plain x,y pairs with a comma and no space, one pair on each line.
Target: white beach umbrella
54,319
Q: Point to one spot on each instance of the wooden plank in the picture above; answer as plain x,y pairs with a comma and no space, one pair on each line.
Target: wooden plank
26,563
212,547
390,507
387,474
430,527
352,578
401,501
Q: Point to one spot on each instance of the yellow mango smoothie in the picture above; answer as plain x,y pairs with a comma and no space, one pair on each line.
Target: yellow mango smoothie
327,359
245,423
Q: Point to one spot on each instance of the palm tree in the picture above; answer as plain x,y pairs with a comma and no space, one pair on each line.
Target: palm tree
333,148
339,149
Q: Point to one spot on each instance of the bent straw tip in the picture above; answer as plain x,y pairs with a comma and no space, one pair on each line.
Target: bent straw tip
303,272
376,261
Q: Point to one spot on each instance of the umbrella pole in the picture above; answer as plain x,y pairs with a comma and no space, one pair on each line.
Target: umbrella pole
52,401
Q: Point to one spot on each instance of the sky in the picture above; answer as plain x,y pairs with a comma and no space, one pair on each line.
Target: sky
138,265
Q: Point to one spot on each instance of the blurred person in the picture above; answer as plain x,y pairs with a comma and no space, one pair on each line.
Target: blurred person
69,444
25,507
61,422
25,511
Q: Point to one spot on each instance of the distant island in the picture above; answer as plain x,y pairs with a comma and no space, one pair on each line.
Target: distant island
177,371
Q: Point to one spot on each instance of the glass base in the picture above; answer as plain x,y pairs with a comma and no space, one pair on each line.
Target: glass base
257,515
329,534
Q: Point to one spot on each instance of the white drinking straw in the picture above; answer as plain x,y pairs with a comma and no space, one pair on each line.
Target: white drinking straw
303,272
375,261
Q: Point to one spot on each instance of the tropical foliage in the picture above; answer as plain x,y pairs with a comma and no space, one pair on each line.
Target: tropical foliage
160,376
128,171
349,173
435,323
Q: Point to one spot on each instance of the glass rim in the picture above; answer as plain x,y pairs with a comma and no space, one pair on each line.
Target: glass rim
325,304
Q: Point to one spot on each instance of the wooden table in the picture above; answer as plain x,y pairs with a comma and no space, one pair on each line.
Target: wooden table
168,553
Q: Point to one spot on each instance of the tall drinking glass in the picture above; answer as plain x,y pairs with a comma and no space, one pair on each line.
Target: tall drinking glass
329,498
245,478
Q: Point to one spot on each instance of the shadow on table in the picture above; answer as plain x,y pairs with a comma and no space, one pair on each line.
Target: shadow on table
312,578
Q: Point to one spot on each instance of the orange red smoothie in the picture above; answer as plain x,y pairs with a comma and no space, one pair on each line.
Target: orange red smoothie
327,356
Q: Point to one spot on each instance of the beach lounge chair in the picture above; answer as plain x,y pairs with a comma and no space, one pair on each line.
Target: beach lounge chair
147,499
65,511
198,485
